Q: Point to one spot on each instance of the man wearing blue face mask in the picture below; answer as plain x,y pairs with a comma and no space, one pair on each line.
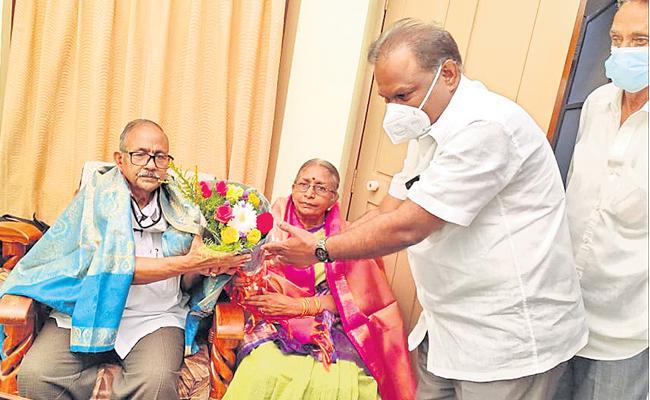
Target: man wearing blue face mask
481,208
607,203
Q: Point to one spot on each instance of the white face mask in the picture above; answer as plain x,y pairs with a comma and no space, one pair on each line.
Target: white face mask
403,123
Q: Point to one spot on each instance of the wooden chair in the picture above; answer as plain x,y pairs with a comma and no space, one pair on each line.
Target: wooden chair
18,314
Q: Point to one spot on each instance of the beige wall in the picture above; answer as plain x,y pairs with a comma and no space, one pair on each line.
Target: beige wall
328,51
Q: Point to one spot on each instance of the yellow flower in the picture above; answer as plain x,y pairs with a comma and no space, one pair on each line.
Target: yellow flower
253,236
229,235
253,199
234,193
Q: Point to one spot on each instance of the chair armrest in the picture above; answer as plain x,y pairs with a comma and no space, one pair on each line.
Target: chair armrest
227,330
19,232
15,237
16,310
228,321
18,315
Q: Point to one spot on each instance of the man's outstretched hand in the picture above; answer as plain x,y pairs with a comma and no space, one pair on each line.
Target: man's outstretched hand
297,250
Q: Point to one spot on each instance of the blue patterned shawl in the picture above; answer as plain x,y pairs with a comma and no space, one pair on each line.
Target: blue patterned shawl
83,266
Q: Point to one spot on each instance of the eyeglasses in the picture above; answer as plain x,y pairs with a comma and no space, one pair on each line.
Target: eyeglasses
319,189
141,158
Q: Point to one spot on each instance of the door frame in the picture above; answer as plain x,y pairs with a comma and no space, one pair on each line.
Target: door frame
566,73
365,76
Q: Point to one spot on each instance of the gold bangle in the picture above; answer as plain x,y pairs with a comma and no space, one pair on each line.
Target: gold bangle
318,306
305,307
311,306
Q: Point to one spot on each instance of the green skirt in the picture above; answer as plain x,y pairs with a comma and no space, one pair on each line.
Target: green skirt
267,373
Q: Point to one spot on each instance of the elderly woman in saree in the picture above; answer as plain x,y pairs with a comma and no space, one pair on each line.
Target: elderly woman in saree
330,330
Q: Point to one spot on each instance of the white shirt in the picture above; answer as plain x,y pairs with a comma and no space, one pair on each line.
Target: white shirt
499,292
607,200
151,306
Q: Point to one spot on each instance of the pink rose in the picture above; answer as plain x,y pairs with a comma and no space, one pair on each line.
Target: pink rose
223,213
265,222
221,188
205,189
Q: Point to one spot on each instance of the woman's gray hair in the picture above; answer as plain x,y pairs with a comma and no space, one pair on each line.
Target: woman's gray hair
431,44
325,164
132,125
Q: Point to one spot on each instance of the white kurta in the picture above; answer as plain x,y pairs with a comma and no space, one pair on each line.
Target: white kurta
607,198
497,283
151,306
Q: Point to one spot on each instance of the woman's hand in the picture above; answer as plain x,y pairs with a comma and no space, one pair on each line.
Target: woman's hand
276,305
210,262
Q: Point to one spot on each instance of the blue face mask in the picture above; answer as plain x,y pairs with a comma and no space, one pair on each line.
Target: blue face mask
627,67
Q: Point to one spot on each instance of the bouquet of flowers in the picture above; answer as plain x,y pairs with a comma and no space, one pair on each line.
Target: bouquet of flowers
238,220
237,216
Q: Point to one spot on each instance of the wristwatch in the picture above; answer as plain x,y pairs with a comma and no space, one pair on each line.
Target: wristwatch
321,252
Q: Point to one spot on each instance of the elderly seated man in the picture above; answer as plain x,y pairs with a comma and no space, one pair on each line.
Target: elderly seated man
112,268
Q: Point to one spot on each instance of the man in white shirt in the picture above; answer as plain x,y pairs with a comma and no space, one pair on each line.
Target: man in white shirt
149,343
480,206
607,202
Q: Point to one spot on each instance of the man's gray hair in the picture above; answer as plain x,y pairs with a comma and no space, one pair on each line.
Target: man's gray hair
132,125
621,2
325,164
431,44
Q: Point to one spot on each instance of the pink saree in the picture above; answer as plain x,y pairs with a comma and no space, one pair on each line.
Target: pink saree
367,309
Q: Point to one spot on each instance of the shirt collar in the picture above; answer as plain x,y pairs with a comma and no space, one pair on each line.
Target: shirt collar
149,217
456,115
614,102
152,210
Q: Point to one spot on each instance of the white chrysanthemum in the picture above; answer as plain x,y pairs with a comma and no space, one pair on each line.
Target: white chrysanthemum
244,217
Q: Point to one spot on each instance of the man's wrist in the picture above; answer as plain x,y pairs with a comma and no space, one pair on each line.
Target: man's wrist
184,264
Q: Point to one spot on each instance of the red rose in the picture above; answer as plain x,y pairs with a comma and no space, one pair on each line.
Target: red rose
221,188
223,213
265,222
205,189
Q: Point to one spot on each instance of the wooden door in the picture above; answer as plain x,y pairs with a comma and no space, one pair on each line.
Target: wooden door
583,72
517,48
